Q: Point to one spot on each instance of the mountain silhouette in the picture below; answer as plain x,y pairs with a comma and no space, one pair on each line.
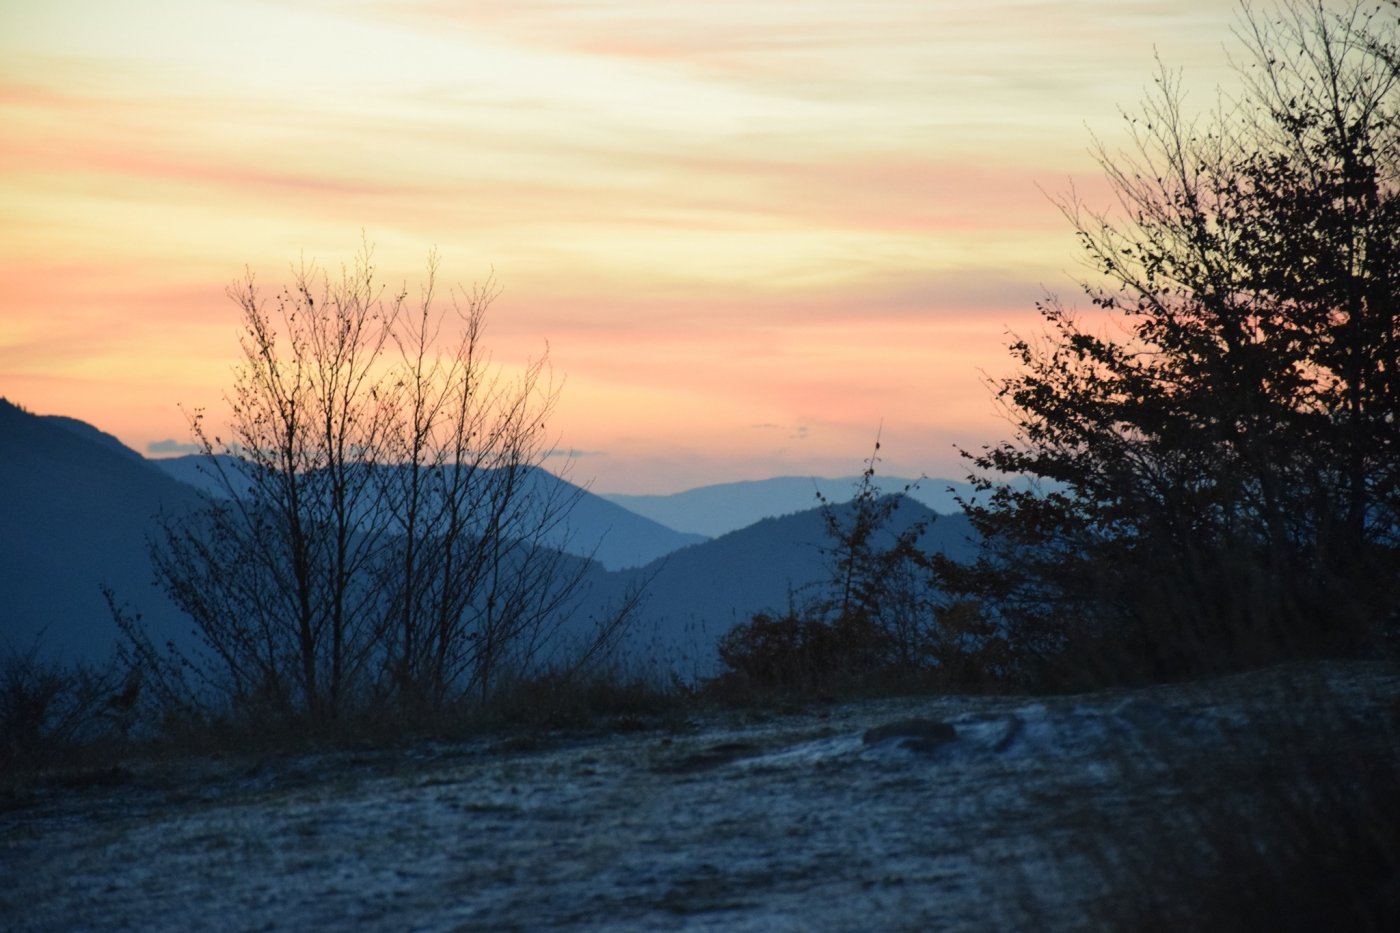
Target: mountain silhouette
596,528
698,593
719,509
76,507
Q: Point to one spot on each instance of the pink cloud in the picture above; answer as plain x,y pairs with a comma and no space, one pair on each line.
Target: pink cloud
833,229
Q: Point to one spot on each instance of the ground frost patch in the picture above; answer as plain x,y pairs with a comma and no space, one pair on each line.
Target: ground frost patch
736,822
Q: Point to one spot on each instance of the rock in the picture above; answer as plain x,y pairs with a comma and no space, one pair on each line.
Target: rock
711,757
916,735
1015,725
1144,714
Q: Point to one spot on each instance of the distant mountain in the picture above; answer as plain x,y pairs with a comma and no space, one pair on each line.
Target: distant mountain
89,433
75,509
609,533
195,470
720,509
698,593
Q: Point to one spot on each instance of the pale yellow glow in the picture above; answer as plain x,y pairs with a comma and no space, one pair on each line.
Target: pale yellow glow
749,232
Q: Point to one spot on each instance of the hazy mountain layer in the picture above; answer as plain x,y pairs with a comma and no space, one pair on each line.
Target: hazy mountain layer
720,509
698,593
76,508
596,528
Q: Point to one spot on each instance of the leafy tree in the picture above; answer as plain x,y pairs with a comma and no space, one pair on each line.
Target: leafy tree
1217,441
380,531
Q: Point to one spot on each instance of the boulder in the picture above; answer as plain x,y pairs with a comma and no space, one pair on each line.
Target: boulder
917,735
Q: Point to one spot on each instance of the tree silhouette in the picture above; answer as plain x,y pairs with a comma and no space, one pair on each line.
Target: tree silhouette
1217,439
877,621
379,533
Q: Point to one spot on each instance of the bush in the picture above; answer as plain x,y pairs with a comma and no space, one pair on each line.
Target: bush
51,711
878,622
800,654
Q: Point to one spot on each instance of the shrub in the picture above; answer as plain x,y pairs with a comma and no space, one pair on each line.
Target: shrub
797,653
50,710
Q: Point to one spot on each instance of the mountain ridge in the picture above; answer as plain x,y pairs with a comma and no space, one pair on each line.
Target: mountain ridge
720,508
79,507
696,594
596,528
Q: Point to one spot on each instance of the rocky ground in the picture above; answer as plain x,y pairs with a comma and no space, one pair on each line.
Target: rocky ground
863,816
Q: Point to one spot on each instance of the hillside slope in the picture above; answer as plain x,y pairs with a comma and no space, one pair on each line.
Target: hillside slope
76,508
698,593
596,528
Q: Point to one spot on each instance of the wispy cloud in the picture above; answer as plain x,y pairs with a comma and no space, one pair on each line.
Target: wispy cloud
816,214
172,447
572,453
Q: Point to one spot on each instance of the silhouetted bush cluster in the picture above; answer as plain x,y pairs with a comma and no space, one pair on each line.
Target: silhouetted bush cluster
52,712
1214,451
958,650
877,624
794,653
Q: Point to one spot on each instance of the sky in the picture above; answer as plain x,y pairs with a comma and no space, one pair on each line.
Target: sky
749,235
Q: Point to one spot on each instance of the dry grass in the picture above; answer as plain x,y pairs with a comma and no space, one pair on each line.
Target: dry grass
1299,832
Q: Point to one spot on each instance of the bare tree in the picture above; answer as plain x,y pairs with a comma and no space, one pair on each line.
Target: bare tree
273,572
476,578
382,530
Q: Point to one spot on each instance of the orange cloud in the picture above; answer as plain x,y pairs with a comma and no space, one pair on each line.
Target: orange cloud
812,215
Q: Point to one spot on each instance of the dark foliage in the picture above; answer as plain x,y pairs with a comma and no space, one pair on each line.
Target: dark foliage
877,624
798,653
51,711
1217,442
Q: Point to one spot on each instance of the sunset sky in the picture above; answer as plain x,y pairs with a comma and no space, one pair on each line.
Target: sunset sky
750,232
